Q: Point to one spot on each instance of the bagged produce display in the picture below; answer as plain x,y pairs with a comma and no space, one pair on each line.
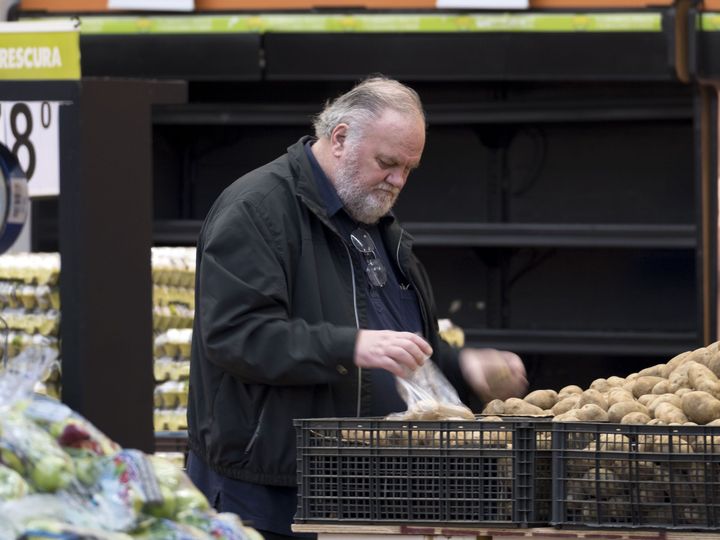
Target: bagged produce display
62,478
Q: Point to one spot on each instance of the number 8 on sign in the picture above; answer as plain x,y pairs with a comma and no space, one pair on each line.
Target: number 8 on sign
30,131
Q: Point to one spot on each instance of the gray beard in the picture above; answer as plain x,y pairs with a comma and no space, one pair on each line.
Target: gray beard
362,206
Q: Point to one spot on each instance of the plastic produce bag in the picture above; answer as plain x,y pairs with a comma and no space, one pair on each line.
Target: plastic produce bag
19,376
73,432
33,453
429,396
12,485
62,511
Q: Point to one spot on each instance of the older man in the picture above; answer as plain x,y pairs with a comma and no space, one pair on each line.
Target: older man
310,301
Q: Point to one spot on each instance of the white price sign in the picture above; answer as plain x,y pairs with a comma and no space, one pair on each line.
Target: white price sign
30,130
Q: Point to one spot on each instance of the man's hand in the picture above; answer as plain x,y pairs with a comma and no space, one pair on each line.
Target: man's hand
493,374
396,352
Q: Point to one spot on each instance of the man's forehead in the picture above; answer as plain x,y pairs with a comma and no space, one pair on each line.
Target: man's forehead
399,157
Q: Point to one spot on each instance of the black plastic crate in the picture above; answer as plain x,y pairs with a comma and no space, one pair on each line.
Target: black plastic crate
426,472
636,476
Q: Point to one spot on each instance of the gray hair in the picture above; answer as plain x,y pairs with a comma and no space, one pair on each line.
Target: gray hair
366,102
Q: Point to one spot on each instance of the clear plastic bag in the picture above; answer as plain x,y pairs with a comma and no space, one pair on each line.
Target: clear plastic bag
429,396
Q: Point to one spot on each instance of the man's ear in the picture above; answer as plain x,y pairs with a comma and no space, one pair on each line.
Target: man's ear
337,139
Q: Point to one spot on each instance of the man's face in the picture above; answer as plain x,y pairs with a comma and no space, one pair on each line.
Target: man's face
373,169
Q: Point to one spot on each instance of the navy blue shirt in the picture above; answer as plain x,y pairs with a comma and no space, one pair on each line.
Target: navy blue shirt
391,307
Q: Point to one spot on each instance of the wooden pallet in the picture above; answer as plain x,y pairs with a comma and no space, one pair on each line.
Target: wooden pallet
412,532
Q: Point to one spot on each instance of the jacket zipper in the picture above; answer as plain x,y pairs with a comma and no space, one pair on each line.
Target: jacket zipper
357,322
255,434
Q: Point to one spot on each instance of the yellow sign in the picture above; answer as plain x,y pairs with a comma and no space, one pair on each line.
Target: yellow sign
39,51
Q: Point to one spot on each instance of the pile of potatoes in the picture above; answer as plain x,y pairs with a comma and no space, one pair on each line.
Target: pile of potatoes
684,391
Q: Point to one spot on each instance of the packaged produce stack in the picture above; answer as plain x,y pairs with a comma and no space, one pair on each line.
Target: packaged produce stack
60,477
30,305
173,270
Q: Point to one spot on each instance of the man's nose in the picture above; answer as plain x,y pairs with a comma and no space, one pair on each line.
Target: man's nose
397,177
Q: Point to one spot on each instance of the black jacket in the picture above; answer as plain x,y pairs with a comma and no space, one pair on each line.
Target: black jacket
278,306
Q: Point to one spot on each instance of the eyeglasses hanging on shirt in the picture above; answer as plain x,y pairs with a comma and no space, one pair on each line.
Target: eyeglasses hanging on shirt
374,268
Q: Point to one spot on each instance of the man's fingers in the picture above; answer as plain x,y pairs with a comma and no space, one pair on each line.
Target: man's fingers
392,366
423,345
404,357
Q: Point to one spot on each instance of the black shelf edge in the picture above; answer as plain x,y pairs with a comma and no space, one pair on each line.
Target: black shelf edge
553,235
595,110
185,232
232,56
506,56
666,344
176,232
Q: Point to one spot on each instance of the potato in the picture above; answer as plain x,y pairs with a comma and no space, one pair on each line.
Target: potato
612,442
682,391
601,385
496,406
449,411
700,407
358,436
664,398
545,399
591,412
652,480
644,385
656,422
543,440
570,389
702,378
501,438
615,381
713,363
663,387
566,404
605,476
679,377
594,397
620,410
569,416
635,418
701,356
516,406
617,395
674,363
670,414
426,409
645,399
654,371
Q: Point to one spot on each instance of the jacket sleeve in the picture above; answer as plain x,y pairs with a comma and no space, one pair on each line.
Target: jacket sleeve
243,280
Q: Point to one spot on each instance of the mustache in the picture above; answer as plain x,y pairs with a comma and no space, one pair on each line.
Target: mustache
394,190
